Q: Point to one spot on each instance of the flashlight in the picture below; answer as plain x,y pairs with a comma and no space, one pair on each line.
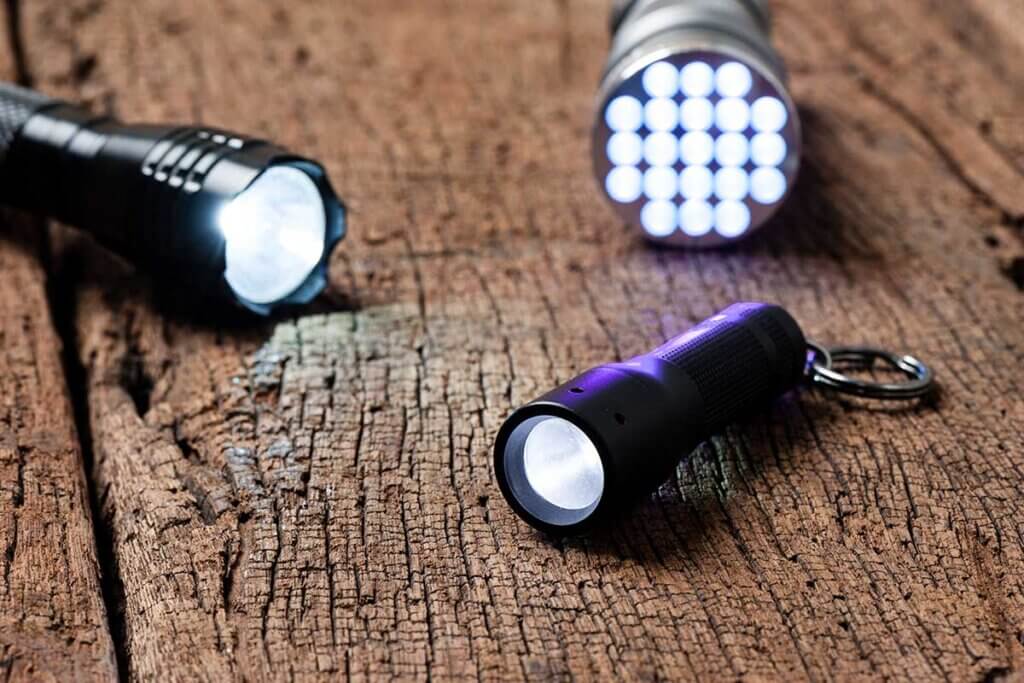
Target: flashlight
227,218
696,140
593,446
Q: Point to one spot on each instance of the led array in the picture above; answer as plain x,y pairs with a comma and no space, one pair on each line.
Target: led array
696,148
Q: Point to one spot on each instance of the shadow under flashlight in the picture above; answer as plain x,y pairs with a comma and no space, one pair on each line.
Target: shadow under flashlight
696,140
595,445
228,219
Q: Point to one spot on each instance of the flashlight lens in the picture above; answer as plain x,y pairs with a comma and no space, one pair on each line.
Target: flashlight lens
553,470
625,184
767,185
733,80
661,80
659,217
697,79
625,114
768,115
562,465
696,217
274,235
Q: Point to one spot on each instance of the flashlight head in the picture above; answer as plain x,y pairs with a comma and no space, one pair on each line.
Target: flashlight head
696,140
257,227
581,452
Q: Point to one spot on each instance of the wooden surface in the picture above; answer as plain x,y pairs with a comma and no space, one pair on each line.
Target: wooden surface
53,623
314,497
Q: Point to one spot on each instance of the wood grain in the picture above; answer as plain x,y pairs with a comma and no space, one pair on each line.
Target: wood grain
313,497
53,622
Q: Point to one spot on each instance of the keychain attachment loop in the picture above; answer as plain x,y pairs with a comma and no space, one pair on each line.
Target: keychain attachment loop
820,372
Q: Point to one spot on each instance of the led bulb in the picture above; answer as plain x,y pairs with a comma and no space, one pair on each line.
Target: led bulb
658,218
661,80
625,184
697,113
625,149
625,114
661,114
733,80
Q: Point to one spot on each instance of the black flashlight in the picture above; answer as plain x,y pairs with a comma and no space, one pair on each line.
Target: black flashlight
596,444
226,218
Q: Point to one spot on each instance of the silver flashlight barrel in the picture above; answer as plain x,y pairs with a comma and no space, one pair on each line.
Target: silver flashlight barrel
651,29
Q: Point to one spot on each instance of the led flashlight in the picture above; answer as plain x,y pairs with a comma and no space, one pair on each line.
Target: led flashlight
229,219
596,444
696,140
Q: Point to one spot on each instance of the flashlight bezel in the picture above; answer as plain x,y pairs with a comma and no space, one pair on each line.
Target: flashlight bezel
678,50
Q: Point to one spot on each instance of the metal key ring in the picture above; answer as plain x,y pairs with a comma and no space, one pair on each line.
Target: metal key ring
920,383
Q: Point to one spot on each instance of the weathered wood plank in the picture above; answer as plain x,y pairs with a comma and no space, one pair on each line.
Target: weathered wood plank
315,497
53,623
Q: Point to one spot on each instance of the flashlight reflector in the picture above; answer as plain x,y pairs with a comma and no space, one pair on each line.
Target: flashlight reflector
562,464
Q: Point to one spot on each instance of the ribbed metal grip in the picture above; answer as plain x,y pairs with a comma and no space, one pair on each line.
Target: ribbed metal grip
17,105
739,360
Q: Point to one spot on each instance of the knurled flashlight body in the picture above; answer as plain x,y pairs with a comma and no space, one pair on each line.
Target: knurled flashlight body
643,414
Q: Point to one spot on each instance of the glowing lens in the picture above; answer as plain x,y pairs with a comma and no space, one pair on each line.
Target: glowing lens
625,149
659,218
624,113
562,465
768,115
697,79
624,184
682,147
733,80
767,149
767,185
661,80
274,235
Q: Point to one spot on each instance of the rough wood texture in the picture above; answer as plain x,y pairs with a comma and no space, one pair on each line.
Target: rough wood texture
315,496
53,623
